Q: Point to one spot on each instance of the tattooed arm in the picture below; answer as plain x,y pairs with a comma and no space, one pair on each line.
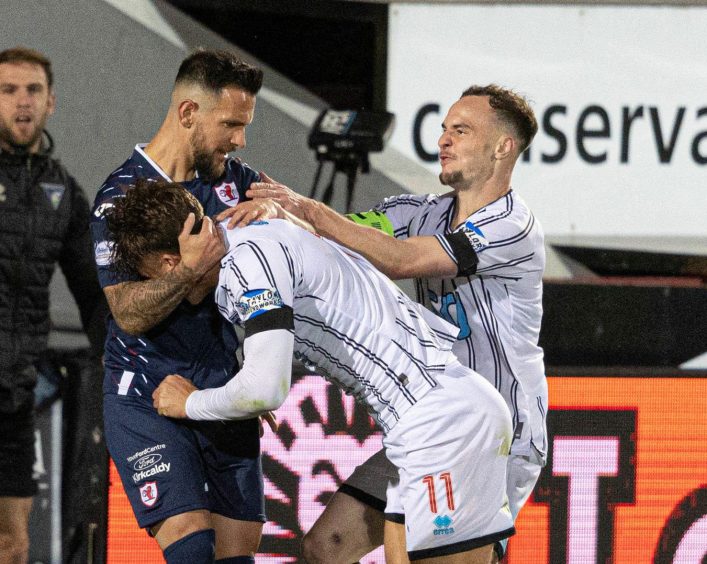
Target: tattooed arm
139,306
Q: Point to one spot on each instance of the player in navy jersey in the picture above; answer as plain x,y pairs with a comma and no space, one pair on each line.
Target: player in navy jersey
492,293
445,428
197,488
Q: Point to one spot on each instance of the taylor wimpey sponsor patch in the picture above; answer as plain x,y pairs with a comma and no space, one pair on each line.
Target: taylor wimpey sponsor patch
257,302
475,236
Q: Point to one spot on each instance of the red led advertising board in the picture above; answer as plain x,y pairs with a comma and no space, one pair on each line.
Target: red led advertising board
626,480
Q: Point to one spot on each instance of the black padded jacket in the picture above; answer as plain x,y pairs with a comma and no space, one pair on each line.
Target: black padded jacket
43,220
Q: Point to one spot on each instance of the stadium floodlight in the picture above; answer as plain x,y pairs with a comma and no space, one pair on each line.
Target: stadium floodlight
345,138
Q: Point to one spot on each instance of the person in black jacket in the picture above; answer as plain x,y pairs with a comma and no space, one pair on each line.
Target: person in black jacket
43,220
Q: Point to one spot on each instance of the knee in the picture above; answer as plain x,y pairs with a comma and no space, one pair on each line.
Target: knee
320,548
14,548
309,549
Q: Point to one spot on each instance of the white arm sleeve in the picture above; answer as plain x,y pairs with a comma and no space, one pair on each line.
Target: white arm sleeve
260,385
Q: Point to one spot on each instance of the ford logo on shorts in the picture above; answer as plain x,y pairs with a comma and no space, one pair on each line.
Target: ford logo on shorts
147,461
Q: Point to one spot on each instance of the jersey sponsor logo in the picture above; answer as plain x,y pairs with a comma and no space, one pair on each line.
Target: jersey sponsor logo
227,192
143,452
104,253
100,210
147,461
475,236
256,302
53,192
149,493
142,474
443,524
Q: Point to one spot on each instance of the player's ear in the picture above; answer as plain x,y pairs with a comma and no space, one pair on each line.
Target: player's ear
169,262
186,110
505,147
155,265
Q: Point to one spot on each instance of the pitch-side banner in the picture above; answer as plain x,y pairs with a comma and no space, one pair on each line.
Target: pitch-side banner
625,480
620,94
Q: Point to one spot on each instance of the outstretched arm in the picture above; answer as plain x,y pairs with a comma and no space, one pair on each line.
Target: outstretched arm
408,258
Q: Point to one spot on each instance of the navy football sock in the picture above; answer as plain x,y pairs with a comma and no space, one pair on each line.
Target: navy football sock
236,560
197,547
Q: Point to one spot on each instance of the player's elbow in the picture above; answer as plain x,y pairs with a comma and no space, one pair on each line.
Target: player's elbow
267,398
131,325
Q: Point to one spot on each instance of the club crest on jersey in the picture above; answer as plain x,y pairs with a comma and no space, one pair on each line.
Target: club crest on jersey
475,236
54,193
256,302
227,192
148,493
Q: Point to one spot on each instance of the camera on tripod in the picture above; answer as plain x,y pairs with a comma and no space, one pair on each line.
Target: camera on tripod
345,138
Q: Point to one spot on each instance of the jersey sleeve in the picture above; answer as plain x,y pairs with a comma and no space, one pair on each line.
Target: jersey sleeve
504,246
102,245
401,213
257,284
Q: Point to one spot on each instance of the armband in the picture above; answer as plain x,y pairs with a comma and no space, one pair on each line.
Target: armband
280,318
375,219
463,252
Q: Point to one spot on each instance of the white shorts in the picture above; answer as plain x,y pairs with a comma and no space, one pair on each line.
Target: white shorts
369,481
451,451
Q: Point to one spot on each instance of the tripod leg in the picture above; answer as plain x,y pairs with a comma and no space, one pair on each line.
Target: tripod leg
329,192
316,179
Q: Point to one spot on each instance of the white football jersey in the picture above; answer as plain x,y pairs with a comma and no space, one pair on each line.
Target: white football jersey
497,310
352,324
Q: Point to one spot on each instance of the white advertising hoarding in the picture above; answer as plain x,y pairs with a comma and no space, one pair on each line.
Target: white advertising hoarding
620,94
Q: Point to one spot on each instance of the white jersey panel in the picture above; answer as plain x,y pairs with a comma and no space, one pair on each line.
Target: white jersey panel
498,310
352,325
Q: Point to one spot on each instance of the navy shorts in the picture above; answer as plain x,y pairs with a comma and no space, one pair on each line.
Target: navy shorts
17,454
171,466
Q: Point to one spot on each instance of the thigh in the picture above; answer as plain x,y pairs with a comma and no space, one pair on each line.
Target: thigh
179,526
395,550
17,455
235,537
346,530
158,459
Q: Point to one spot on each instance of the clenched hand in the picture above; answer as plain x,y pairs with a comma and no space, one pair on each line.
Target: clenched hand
170,397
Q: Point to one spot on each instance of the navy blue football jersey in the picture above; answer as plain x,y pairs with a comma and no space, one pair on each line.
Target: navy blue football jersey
193,340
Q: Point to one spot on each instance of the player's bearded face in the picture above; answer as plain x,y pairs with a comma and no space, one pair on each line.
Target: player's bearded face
208,160
25,104
466,146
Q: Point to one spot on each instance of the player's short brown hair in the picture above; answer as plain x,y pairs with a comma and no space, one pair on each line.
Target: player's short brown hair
148,219
26,55
511,108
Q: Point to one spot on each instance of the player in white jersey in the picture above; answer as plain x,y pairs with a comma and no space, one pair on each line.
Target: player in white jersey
492,294
446,429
